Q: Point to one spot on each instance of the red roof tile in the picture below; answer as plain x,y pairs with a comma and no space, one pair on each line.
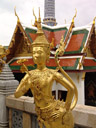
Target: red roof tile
63,62
89,62
56,35
75,42
67,64
33,36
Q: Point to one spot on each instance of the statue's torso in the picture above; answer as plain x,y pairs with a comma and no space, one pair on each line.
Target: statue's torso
41,87
52,112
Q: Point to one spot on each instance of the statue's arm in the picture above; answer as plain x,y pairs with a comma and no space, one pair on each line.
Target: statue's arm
23,86
63,81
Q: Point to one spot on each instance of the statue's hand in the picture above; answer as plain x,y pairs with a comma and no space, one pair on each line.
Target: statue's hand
55,115
58,113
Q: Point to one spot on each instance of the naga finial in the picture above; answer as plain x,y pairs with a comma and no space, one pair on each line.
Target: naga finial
94,20
74,15
18,20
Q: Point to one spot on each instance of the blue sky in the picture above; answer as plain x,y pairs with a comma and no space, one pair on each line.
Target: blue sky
65,10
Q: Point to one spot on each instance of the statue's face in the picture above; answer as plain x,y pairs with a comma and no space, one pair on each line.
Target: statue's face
39,55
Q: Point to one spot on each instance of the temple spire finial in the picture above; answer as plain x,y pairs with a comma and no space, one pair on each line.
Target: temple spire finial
18,20
74,15
35,24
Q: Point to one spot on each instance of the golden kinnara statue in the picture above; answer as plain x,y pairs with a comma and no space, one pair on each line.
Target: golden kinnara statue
51,113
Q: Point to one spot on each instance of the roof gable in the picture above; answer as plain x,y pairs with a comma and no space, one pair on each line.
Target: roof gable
19,45
76,41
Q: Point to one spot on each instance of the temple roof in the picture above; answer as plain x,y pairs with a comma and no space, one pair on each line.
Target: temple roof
76,49
50,32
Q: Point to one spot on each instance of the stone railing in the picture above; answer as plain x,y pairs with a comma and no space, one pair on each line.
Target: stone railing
22,114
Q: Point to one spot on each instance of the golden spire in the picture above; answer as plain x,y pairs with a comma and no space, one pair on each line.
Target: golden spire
18,20
74,15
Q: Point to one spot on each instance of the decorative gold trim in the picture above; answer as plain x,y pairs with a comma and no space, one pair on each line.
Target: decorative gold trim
18,20
61,48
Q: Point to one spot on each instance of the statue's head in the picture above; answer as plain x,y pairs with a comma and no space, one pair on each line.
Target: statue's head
40,46
40,49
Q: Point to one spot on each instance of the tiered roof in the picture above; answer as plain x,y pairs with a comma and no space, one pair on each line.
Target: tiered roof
77,55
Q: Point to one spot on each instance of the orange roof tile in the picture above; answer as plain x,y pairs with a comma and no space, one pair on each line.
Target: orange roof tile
75,42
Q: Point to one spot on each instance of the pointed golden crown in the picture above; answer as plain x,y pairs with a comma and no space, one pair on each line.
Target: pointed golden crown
41,39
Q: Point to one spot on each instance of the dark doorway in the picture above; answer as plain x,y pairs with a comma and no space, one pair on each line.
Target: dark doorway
62,95
54,94
90,88
19,76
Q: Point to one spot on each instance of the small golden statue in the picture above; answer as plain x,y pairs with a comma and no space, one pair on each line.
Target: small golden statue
51,113
3,54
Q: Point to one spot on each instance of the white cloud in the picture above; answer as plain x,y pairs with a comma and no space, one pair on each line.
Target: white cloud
85,11
64,10
7,26
8,19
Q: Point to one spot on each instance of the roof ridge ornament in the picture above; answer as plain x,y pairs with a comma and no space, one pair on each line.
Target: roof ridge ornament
18,20
60,50
35,24
74,15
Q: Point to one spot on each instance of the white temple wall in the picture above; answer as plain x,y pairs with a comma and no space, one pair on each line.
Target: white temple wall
79,82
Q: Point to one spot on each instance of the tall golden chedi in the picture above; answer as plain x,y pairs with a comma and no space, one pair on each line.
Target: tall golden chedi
51,113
